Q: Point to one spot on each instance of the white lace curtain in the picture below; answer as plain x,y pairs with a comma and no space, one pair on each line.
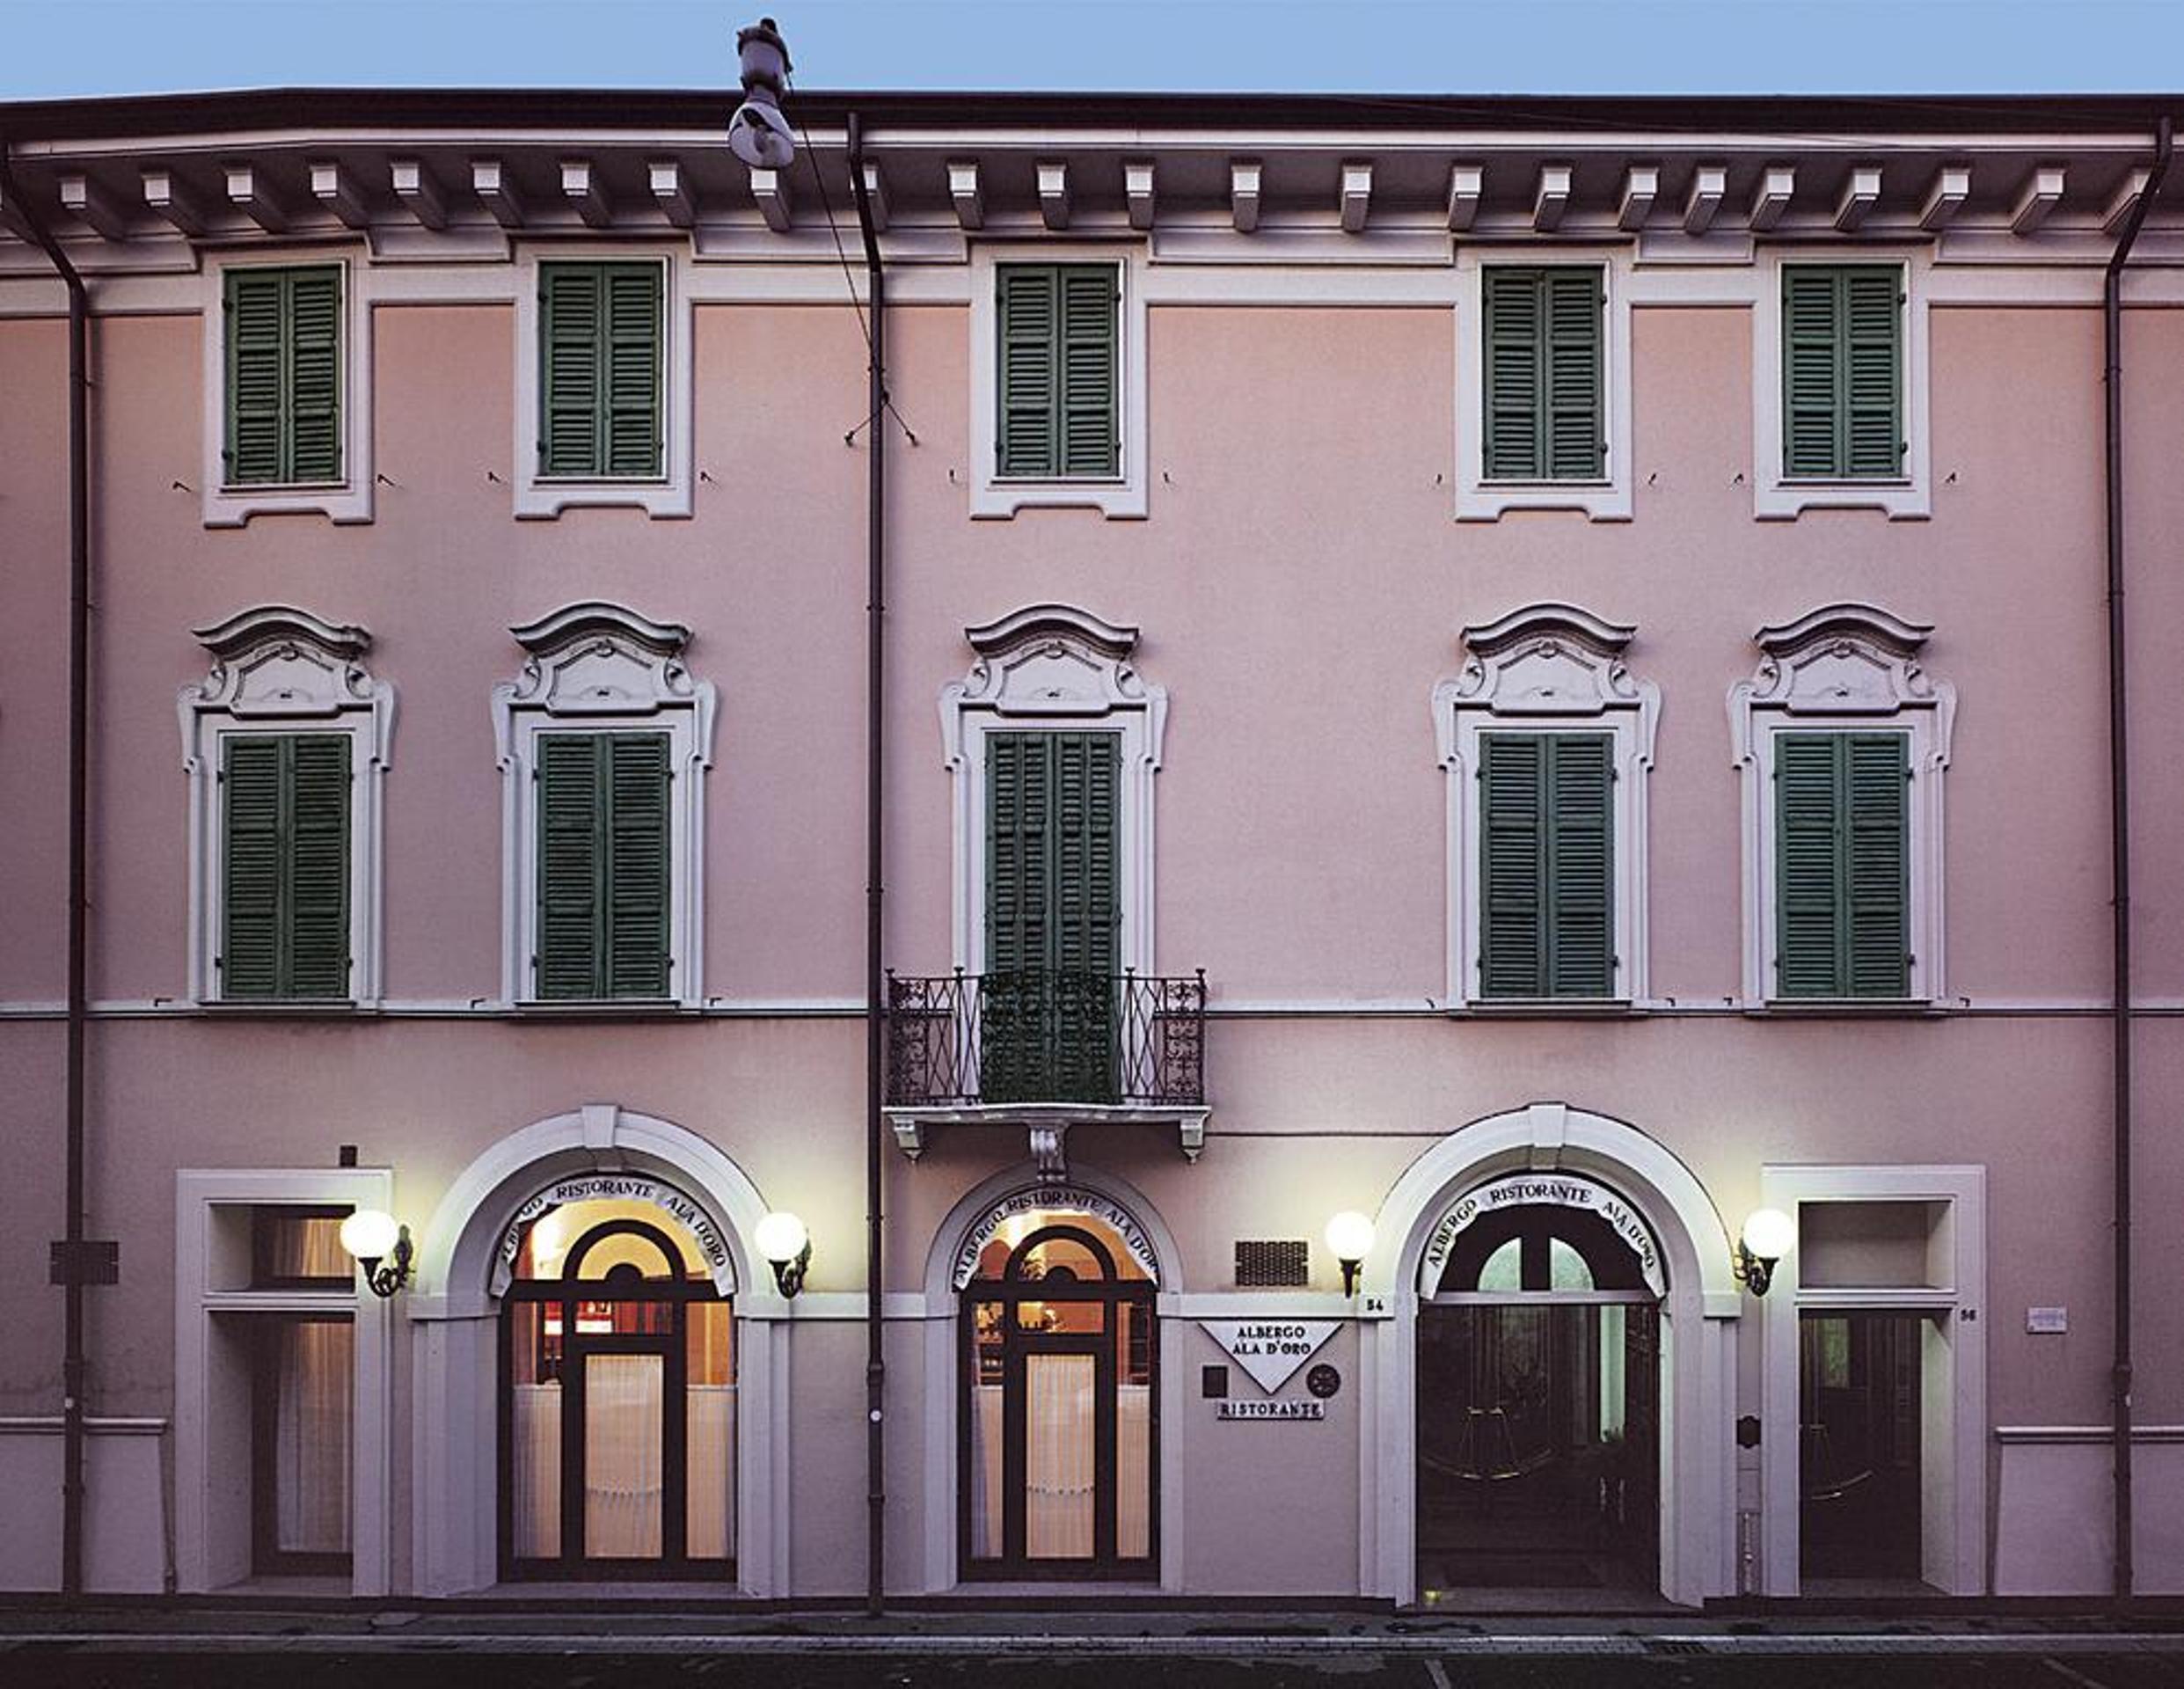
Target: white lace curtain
312,1432
1060,1459
622,1465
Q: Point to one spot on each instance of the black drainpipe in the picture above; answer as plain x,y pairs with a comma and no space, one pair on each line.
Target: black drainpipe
875,1007
72,1366
2120,845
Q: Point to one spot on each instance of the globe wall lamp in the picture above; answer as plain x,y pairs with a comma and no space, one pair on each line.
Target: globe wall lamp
787,1247
1349,1235
380,1245
1767,1236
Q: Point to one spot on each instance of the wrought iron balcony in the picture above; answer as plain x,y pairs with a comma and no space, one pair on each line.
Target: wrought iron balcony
1038,1035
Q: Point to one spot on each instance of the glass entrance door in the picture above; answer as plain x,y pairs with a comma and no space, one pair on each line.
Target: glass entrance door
617,1405
1538,1394
1536,1446
1058,1426
1861,1414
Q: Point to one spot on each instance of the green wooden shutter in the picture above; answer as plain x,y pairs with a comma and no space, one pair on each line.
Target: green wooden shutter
1873,371
604,886
257,310
1543,351
1053,908
1082,769
314,375
1515,337
1512,845
601,348
1028,306
1091,441
1876,867
1546,864
285,874
571,946
1058,411
638,885
571,316
1807,949
1017,797
251,878
1842,370
1013,1030
284,375
1809,378
633,356
318,864
1842,864
1579,867
1576,428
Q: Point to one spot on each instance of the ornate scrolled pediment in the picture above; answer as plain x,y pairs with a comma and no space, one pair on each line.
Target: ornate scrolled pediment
1058,620
600,659
1546,659
277,661
1842,659
1050,659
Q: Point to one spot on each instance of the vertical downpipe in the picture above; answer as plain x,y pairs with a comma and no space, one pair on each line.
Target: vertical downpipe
875,1007
2120,862
72,1357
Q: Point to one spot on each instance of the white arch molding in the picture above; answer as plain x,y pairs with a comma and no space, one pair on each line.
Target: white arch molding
1698,1355
944,1360
456,1355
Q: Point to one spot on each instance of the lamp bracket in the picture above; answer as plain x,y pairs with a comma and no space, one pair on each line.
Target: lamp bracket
788,1275
386,1277
1754,1272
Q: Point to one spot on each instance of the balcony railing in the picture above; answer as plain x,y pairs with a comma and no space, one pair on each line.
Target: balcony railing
1038,1034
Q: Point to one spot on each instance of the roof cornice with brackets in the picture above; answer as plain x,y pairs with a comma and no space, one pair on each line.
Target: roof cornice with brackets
145,182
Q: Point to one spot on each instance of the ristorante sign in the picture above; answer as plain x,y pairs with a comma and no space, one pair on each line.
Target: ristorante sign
1069,1199
1535,1189
622,1187
1270,1350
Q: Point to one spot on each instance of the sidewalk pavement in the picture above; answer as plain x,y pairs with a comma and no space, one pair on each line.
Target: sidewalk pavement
635,1623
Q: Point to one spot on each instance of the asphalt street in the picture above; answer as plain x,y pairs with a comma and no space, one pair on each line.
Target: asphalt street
1644,1663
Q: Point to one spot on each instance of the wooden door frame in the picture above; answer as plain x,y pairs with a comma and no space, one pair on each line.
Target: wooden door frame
673,1346
1112,1294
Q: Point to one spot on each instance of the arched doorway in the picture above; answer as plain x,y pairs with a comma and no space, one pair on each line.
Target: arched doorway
1058,1429
1539,1397
1658,1207
467,1257
616,1400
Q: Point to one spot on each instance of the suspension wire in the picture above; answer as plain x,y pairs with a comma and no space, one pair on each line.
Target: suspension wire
849,278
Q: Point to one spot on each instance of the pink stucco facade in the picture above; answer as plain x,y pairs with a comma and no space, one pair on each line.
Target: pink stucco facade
1298,586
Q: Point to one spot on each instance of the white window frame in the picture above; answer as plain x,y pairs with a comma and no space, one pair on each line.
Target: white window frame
1047,667
1843,668
668,495
349,499
212,1511
1780,497
1119,495
1479,498
598,668
279,670
1547,667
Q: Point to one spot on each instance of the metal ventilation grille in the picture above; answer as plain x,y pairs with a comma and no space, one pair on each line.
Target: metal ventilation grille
1273,1264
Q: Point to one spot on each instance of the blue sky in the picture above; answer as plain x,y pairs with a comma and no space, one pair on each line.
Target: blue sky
57,48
